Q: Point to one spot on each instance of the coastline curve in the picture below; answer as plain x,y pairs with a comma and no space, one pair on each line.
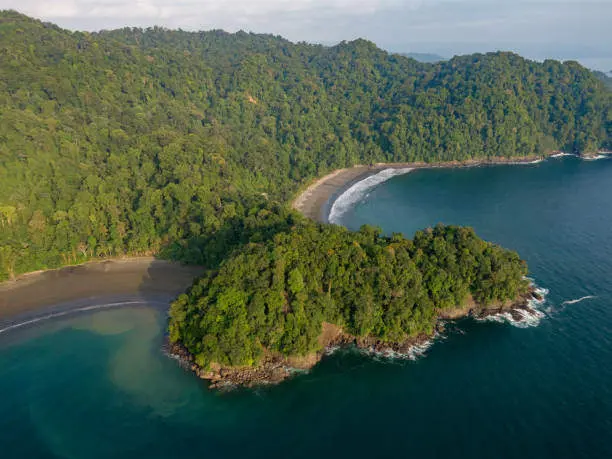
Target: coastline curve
59,291
330,196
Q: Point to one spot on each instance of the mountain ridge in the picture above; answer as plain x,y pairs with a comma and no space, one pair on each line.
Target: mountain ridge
137,141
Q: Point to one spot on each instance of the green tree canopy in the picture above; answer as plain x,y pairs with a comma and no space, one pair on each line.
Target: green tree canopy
275,295
138,141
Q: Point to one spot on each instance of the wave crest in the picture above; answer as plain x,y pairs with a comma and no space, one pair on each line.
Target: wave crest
413,353
359,190
562,154
529,317
55,315
578,300
596,157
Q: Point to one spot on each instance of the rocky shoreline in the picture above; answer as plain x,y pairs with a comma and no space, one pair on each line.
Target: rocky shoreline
275,368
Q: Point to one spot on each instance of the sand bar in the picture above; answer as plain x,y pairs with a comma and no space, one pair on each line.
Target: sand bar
70,287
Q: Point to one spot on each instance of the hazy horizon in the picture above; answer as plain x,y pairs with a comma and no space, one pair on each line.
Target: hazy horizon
556,29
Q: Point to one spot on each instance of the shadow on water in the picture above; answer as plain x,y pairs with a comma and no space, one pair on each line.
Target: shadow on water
167,279
108,284
136,281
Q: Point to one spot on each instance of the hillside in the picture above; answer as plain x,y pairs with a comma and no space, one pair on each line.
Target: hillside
268,303
606,79
158,141
425,57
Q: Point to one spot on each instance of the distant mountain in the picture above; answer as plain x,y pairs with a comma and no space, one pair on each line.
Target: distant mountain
607,79
425,57
138,141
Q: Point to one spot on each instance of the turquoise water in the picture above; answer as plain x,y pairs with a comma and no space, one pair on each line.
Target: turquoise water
96,385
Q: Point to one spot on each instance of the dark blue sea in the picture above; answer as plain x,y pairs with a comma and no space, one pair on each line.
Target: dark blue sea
97,385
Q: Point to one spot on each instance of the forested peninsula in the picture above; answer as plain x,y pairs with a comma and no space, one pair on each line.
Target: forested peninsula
280,305
191,145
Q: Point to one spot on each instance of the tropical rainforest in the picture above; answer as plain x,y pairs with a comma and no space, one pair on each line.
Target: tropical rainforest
274,296
163,141
190,146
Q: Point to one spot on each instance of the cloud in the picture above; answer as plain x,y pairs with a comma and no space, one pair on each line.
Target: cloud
292,18
533,27
164,9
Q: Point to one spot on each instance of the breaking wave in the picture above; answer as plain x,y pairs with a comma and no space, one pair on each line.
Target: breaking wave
529,317
361,189
578,300
332,350
600,155
413,353
596,157
524,163
72,311
356,192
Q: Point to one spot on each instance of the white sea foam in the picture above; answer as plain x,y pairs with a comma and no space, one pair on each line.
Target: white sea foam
527,317
414,352
332,350
418,350
524,163
600,155
360,190
539,290
596,157
561,155
72,311
578,300
554,309
357,192
542,292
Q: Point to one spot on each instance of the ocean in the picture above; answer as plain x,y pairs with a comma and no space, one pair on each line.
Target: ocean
97,384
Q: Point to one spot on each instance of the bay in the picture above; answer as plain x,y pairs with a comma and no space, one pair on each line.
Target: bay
98,385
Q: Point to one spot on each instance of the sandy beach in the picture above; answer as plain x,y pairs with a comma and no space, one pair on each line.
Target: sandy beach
316,200
68,287
311,202
41,292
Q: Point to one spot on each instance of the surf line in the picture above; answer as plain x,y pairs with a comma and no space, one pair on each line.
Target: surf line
72,311
588,297
356,192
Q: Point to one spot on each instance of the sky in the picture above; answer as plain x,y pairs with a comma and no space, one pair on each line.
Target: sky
561,29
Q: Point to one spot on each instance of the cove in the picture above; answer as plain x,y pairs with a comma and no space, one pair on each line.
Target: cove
98,385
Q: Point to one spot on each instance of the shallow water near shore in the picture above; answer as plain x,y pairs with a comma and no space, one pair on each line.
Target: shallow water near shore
96,385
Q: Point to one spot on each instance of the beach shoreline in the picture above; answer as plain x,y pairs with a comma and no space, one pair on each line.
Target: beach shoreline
37,293
41,293
315,202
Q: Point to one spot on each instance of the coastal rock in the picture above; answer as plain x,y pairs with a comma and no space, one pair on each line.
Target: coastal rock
275,368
